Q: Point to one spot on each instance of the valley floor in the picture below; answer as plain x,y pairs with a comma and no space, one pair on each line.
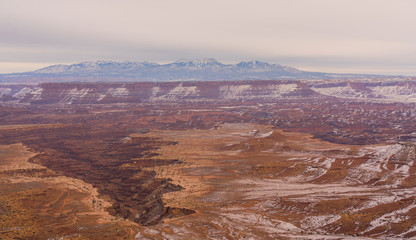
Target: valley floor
290,168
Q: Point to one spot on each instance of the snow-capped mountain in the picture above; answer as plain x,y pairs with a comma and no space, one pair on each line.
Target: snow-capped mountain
199,63
182,70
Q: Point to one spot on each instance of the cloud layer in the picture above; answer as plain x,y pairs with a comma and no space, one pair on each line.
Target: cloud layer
374,36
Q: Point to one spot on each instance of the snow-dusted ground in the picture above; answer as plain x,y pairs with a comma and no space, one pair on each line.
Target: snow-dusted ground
75,94
345,92
120,92
380,155
259,92
380,92
291,203
267,188
23,92
5,91
397,93
233,92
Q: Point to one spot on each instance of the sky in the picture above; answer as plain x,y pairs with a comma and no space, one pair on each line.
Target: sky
343,36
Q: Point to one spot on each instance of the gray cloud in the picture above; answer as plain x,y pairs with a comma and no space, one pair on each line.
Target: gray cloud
371,35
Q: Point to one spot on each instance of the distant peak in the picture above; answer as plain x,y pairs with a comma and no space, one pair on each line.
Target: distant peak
204,61
254,63
88,63
58,68
208,60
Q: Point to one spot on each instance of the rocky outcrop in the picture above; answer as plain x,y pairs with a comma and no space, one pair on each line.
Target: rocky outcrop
98,157
269,91
87,93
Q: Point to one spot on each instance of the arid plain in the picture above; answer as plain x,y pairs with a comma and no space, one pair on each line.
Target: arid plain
218,160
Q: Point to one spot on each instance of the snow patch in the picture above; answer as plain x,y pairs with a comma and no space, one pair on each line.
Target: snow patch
328,162
315,222
32,93
393,217
5,91
282,88
250,91
346,91
178,92
380,155
263,135
155,91
100,97
23,92
397,93
184,91
75,94
392,93
120,92
234,91
37,93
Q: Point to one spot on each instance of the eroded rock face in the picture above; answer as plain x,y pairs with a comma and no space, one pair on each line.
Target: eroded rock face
98,157
87,93
267,160
387,90
252,181
38,203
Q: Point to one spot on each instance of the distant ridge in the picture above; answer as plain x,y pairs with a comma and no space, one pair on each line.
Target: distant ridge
207,69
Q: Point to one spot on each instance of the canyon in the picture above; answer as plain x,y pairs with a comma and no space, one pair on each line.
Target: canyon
263,159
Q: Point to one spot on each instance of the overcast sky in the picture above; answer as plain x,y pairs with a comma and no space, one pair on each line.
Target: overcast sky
365,36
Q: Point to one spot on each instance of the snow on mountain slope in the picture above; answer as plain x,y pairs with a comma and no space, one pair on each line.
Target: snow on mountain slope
197,64
60,68
183,70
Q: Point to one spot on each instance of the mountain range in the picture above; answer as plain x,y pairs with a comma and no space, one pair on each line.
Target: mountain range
182,70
